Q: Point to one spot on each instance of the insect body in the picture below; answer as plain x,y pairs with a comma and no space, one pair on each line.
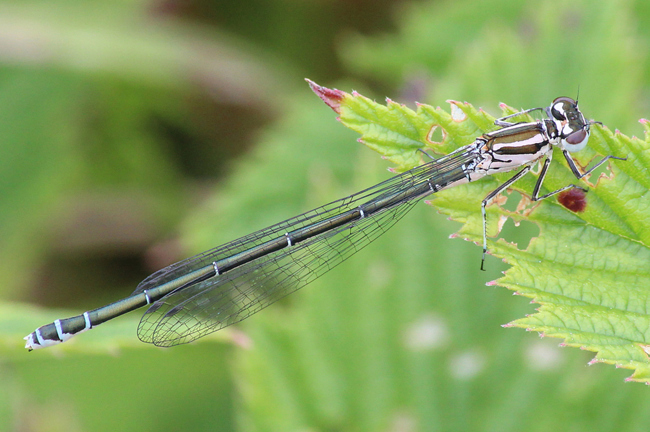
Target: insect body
227,284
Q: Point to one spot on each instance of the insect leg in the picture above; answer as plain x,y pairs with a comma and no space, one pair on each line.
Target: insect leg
489,198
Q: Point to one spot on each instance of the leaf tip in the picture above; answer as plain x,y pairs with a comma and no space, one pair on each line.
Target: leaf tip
493,283
646,126
331,97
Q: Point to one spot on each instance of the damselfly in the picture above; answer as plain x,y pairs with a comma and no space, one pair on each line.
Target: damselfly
227,284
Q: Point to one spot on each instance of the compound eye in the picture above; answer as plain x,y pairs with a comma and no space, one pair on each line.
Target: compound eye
577,137
561,106
577,140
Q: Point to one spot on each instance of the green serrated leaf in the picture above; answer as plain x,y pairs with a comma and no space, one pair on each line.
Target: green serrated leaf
397,132
588,270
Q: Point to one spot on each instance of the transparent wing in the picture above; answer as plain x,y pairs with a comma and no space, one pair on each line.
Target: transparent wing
195,311
219,302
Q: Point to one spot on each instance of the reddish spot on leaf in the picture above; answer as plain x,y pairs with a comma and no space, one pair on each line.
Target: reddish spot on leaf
574,199
332,97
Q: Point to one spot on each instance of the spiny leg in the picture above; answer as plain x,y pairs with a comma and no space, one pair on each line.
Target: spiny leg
426,154
574,169
538,186
489,198
540,181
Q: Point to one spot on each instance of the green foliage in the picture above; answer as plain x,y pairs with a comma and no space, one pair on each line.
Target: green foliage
402,333
588,270
117,118
121,391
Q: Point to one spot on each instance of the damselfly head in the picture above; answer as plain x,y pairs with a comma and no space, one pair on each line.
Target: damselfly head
572,128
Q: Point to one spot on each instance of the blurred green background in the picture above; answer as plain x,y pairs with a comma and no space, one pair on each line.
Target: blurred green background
136,133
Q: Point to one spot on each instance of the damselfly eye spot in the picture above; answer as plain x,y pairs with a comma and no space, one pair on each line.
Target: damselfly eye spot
573,199
558,112
558,115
